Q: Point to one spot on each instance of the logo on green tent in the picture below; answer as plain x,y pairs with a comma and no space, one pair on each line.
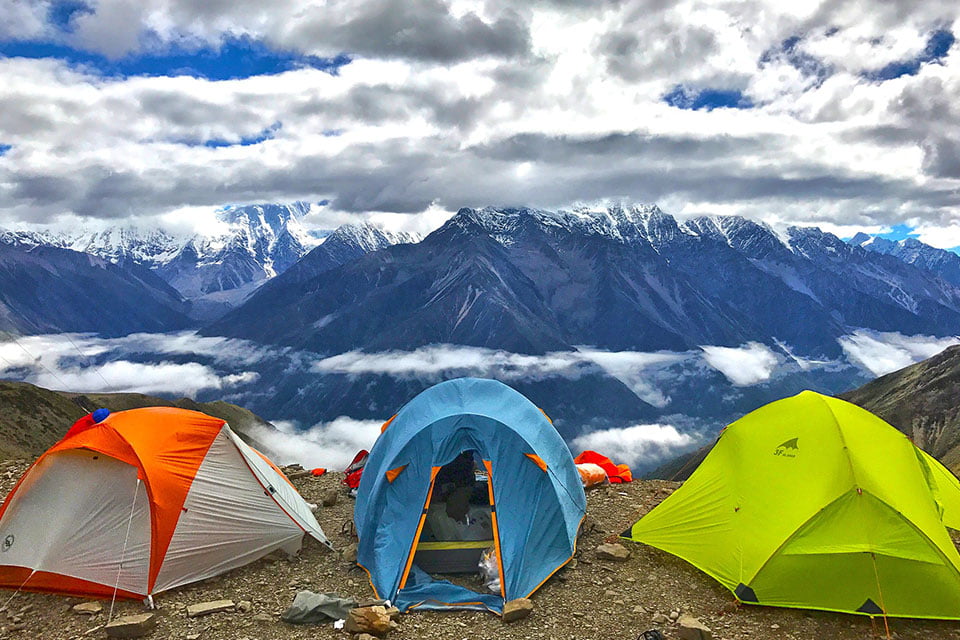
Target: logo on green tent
788,449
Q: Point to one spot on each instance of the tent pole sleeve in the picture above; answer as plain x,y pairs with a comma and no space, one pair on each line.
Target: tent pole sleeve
496,529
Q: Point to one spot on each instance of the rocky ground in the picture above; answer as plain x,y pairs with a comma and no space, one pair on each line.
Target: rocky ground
594,600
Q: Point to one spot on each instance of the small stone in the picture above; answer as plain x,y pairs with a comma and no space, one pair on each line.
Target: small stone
206,608
674,615
193,636
613,551
639,609
349,552
244,606
517,609
372,620
364,636
135,626
774,626
88,608
689,628
659,618
263,617
330,497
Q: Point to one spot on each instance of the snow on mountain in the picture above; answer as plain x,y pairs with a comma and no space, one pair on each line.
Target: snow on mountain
625,278
257,243
943,263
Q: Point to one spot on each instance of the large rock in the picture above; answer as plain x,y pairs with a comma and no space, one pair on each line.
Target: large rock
613,551
373,620
132,626
88,608
689,628
517,609
349,552
206,608
330,497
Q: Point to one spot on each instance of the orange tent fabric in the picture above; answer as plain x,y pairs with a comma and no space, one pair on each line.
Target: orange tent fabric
616,473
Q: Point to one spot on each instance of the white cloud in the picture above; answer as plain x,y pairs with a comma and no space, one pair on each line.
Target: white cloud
882,353
435,361
331,444
632,369
543,104
636,446
121,376
72,362
743,366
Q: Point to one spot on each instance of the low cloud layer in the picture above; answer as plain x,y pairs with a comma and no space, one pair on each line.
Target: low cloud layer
883,353
331,445
89,364
744,366
638,446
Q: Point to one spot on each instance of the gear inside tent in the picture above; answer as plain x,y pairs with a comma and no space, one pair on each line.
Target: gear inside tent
468,471
136,502
812,502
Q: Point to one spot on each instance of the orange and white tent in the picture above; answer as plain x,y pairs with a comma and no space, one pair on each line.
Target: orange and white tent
132,503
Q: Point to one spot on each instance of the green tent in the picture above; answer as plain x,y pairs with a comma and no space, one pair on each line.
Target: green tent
815,503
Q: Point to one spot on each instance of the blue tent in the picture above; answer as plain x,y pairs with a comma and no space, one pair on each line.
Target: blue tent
535,492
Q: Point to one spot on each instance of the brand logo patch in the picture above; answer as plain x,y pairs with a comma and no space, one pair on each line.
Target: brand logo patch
788,449
7,543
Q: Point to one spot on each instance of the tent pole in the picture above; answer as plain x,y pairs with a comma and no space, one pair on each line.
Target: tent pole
126,537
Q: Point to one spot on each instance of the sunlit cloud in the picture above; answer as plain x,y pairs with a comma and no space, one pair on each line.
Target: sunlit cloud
637,445
882,353
743,366
331,445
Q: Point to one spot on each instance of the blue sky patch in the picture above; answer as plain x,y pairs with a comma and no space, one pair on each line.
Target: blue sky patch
937,47
267,134
61,14
899,232
791,52
706,99
235,58
4,148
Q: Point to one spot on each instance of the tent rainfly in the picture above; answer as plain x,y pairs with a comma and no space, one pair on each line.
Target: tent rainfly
812,502
132,503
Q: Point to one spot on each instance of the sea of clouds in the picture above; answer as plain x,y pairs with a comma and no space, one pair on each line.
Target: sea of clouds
187,364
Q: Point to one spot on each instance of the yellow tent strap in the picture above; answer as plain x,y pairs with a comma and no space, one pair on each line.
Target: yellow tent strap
454,545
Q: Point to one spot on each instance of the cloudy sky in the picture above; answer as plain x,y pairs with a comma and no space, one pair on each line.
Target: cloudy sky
841,114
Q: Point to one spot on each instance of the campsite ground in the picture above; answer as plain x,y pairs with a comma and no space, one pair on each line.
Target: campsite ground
595,600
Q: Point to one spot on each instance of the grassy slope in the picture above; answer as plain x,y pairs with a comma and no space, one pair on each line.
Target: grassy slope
33,418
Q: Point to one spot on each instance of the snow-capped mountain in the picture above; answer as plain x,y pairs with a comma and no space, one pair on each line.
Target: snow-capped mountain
254,244
943,263
532,281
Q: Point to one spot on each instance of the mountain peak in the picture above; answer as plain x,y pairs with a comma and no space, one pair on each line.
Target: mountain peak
368,237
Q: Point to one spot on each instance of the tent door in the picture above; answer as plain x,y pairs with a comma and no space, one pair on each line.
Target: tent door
458,521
